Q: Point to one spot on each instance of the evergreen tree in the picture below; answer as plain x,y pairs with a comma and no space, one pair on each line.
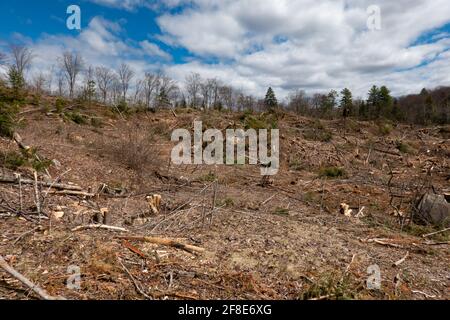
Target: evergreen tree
329,103
362,110
270,101
397,112
429,111
373,102
386,102
16,80
346,103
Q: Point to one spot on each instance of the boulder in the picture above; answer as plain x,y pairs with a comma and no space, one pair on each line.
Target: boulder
434,209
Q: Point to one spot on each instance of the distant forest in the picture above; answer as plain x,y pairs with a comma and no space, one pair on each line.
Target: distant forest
123,90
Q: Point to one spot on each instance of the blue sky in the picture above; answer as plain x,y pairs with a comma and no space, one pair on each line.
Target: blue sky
251,44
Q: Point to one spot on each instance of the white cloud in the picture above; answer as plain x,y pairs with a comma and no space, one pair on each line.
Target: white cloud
312,45
287,44
153,50
122,4
99,44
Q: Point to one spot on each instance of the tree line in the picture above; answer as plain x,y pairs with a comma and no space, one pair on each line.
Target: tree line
124,89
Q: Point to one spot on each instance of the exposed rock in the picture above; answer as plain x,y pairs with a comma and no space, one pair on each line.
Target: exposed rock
434,209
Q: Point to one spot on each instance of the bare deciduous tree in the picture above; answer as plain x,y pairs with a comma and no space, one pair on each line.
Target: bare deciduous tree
105,79
167,88
168,85
60,82
193,87
209,91
226,96
126,74
151,85
39,82
72,64
116,89
138,89
21,58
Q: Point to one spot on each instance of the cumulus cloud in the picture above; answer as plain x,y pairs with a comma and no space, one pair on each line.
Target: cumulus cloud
313,45
100,44
287,44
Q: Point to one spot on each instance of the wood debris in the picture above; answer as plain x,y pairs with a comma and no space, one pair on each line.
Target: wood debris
345,210
154,202
35,288
166,242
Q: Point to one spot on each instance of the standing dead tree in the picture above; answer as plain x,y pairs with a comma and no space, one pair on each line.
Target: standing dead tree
72,65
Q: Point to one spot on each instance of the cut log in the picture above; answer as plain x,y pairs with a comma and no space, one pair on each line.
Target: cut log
15,180
166,242
39,291
99,226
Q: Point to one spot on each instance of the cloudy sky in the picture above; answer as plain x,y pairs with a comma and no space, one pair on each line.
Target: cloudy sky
313,45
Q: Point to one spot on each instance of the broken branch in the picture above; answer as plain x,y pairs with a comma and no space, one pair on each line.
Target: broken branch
39,291
166,242
435,233
399,262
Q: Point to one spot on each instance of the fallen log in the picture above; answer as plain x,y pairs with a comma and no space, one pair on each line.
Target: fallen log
391,153
165,242
73,193
38,290
99,226
15,180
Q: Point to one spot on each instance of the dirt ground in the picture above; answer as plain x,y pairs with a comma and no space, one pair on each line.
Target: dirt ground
283,240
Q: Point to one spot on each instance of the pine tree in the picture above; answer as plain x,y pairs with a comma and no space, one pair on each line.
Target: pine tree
429,111
270,101
16,80
362,110
386,102
346,103
397,112
373,102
